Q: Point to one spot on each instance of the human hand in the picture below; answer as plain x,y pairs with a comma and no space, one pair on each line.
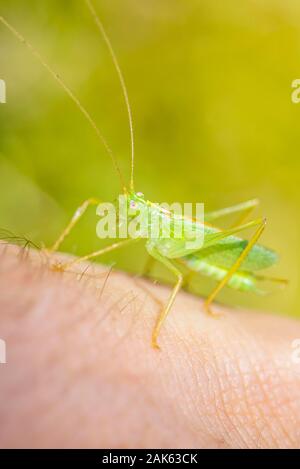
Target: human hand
81,372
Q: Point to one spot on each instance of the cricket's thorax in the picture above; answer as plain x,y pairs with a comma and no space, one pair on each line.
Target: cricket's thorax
154,212
166,212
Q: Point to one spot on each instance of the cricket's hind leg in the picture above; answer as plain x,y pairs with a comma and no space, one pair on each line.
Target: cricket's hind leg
244,208
235,267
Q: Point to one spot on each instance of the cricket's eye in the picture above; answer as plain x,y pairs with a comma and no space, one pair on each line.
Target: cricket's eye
140,194
133,204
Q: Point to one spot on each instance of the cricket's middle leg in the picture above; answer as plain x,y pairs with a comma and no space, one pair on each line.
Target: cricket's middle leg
164,313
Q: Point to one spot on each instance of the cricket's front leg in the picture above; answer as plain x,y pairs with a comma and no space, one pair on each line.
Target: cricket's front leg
164,312
79,212
74,220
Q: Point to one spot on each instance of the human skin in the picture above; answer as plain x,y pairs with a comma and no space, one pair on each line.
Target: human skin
81,372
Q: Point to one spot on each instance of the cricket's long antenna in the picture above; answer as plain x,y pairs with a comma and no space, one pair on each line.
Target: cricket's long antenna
70,93
122,82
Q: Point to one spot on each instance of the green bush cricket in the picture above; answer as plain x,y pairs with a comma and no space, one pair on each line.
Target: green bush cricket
224,256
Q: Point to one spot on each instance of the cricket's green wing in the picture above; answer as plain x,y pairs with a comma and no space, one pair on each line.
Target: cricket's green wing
220,247
227,251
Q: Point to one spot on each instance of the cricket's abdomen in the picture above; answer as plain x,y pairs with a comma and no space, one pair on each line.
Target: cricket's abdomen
226,251
242,281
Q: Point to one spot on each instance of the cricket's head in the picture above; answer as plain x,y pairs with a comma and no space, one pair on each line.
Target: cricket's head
135,201
129,206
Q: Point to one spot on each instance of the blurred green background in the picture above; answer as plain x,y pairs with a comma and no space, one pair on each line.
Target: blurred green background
210,89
